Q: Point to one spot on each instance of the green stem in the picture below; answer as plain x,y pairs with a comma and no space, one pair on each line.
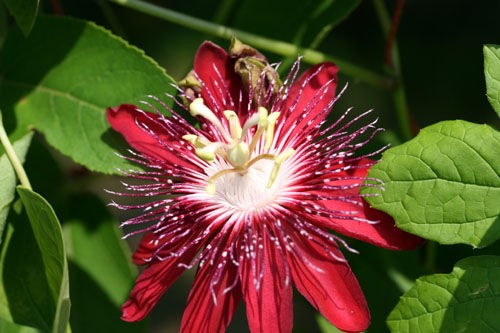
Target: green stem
275,46
11,154
399,94
430,257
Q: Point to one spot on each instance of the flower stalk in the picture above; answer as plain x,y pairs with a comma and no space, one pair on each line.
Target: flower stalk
11,154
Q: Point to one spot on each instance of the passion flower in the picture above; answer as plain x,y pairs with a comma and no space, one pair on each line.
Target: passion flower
251,195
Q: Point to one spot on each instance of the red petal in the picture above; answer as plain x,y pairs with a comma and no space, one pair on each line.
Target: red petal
156,278
125,119
308,97
269,306
334,291
384,233
202,315
146,249
222,85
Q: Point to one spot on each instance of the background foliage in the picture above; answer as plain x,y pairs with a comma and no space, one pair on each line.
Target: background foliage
63,62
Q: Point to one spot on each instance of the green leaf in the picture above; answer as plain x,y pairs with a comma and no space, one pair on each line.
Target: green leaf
466,300
8,178
48,236
95,245
100,266
325,326
8,327
25,296
61,83
492,75
25,12
444,184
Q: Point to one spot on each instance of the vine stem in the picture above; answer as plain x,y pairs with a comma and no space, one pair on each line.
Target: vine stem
391,37
399,93
276,46
11,154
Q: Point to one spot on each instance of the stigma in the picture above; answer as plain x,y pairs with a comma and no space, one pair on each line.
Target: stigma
239,145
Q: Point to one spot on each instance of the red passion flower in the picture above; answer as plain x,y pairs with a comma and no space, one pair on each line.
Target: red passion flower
251,195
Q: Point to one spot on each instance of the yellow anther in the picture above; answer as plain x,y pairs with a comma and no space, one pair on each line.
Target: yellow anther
196,141
234,124
209,151
262,112
251,122
205,153
191,138
234,148
277,164
271,121
197,108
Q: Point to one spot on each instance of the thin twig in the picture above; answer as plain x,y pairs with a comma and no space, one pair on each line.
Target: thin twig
396,17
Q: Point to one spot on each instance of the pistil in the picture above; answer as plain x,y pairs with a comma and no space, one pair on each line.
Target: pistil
234,149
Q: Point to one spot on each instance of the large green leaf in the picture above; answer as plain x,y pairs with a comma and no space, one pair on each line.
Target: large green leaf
466,300
95,245
9,327
61,83
99,266
492,74
47,234
8,178
24,11
444,184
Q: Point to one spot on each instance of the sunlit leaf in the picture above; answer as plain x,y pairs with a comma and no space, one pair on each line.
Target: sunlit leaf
8,178
24,11
8,327
492,75
466,300
61,83
444,184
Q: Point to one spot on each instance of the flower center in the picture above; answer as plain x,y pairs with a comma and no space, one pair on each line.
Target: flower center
246,191
235,148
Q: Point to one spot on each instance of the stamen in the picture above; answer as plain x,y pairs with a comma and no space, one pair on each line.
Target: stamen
253,120
271,121
235,150
196,141
277,164
207,153
262,125
197,108
234,124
